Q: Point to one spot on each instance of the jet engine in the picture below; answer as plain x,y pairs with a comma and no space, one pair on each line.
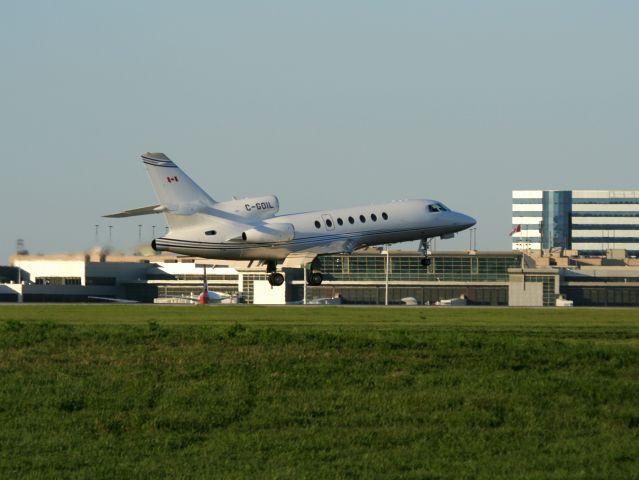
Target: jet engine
278,232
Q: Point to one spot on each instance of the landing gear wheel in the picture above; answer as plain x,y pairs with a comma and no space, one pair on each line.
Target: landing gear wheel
424,247
315,278
276,279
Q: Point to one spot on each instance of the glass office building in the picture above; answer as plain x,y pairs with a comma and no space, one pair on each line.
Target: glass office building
589,221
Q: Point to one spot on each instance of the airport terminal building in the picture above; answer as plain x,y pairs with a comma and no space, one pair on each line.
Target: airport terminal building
515,278
589,222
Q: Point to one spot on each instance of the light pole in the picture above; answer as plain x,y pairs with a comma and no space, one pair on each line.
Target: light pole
473,238
305,266
387,263
110,234
139,233
96,234
153,230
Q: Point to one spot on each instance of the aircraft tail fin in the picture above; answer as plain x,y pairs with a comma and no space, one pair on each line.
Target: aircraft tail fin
172,186
177,193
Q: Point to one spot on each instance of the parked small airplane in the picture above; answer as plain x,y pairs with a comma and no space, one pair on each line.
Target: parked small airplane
207,296
249,229
204,298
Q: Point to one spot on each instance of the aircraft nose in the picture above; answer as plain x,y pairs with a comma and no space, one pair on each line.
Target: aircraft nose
465,221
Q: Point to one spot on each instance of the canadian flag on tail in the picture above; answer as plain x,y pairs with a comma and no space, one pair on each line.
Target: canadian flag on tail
172,179
515,230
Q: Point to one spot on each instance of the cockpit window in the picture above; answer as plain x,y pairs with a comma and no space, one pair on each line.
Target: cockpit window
437,207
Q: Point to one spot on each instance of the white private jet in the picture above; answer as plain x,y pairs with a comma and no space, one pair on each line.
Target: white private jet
248,228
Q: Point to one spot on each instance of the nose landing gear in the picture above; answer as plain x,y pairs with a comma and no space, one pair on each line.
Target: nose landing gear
424,246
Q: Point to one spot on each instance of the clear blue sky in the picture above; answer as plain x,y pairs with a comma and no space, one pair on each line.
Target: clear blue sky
325,104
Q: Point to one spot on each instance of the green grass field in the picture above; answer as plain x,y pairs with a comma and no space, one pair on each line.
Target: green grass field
318,392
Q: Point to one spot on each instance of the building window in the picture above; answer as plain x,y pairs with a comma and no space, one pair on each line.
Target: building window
373,217
101,281
527,201
555,226
384,216
58,281
340,221
317,224
362,218
351,220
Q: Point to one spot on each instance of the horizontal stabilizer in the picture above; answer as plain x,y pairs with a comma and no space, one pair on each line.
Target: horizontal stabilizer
138,211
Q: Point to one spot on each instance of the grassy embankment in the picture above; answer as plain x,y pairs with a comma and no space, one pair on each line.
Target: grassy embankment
248,392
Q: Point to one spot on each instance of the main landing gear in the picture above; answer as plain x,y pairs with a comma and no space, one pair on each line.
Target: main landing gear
424,246
313,276
274,278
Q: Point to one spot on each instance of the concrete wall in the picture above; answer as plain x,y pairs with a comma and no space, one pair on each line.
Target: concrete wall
265,294
9,292
525,294
123,272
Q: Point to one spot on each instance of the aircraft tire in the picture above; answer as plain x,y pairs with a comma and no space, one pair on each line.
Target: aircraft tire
315,279
276,279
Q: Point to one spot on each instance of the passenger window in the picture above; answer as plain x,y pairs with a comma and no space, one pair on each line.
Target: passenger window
362,218
210,232
351,220
329,224
373,217
317,224
384,216
340,221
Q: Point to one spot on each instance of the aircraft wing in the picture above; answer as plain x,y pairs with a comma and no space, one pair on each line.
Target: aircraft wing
338,246
137,211
297,260
304,257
